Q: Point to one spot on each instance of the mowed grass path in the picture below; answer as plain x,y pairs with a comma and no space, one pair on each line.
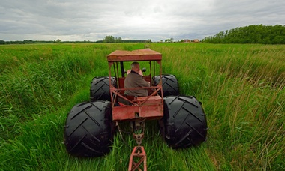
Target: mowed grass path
241,88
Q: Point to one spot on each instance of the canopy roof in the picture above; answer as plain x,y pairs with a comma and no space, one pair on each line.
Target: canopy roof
136,55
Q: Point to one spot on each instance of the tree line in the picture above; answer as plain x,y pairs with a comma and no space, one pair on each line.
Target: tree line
107,39
111,39
41,41
264,34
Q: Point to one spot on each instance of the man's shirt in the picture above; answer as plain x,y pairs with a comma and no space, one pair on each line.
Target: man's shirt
134,80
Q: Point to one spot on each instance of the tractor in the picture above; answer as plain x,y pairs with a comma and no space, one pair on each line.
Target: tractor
90,126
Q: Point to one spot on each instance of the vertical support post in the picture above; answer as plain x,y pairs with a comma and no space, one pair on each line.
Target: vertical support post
110,82
160,75
122,69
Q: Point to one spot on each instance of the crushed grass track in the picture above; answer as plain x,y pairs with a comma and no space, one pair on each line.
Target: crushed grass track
241,88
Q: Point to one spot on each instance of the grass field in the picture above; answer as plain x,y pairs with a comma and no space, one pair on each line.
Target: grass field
241,88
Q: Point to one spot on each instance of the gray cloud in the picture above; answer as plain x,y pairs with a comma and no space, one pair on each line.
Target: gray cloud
156,20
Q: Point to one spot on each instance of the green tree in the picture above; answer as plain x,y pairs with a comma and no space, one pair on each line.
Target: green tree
250,34
118,39
169,40
109,39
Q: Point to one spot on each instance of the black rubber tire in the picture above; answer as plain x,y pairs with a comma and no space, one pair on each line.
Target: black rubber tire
100,89
88,130
184,122
169,84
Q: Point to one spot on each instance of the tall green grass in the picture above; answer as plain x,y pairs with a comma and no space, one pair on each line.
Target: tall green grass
241,88
243,94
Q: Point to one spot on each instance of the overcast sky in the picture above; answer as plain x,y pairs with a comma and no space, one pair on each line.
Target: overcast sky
132,19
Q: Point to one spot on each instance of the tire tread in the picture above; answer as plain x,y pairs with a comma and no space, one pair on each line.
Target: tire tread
184,122
169,84
100,89
88,129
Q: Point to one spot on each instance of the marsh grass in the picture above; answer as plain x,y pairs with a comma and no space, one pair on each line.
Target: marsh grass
243,95
241,88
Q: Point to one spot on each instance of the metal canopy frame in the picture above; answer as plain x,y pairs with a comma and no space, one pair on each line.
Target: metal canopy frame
150,107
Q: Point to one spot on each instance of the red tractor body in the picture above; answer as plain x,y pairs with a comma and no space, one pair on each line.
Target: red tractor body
150,107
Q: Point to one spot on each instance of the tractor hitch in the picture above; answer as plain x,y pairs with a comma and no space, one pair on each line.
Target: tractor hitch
137,159
138,155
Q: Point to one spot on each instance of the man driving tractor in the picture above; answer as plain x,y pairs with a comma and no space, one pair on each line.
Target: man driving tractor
135,80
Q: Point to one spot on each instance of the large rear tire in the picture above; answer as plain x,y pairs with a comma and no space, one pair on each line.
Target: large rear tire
88,130
184,122
169,84
100,89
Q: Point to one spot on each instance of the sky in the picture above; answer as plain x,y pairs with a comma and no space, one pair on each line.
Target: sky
70,20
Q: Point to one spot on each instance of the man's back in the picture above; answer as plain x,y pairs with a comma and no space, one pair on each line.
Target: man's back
134,80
